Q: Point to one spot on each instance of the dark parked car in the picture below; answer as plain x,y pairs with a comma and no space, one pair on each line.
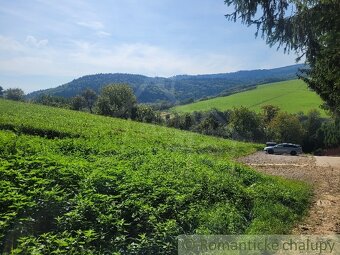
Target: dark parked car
282,148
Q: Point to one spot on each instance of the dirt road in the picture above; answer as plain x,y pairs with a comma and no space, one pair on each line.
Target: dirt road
322,172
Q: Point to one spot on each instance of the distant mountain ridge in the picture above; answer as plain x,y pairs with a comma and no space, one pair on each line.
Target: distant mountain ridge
176,88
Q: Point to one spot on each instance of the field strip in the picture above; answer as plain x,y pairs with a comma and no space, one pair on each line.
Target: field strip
265,101
271,99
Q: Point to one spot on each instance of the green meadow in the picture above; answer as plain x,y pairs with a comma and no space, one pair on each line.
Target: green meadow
76,183
291,96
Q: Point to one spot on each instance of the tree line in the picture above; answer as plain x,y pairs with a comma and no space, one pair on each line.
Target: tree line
310,130
118,100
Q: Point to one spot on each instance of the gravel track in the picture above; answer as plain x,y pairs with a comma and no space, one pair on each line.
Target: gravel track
323,173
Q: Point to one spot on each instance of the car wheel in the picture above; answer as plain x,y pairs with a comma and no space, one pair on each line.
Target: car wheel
270,151
293,153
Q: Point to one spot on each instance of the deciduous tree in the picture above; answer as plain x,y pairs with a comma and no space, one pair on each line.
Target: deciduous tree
246,125
287,128
77,103
90,97
269,112
14,94
116,100
145,113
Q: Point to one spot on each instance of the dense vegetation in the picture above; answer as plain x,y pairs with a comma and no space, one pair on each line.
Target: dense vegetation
312,131
76,183
291,96
178,88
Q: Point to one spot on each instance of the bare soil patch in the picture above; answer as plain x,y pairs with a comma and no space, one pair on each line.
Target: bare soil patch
323,173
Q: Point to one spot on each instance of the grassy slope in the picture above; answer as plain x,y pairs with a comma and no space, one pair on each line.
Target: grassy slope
291,96
69,177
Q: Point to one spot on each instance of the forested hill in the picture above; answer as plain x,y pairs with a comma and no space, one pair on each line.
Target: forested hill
176,88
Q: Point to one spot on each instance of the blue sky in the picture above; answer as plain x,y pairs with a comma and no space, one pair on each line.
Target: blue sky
45,43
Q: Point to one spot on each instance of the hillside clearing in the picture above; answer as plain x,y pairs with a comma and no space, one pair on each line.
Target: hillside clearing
292,96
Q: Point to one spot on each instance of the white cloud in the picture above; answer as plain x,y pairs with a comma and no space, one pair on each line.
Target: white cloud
34,42
95,25
9,44
83,57
103,34
146,59
87,58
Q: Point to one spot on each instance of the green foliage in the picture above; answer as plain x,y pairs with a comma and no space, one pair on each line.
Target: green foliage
311,126
211,123
329,134
15,94
277,208
246,125
77,103
125,187
90,97
54,101
287,127
116,100
75,242
312,131
269,112
323,52
145,113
